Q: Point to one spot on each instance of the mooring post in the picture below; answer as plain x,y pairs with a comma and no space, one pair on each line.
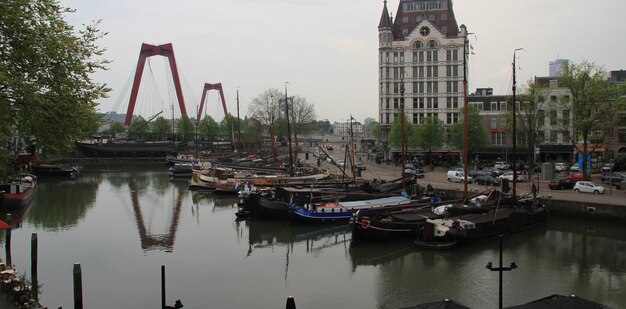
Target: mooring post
291,303
33,265
78,287
162,286
7,245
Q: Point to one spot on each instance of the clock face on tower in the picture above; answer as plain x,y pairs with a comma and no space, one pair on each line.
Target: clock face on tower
425,31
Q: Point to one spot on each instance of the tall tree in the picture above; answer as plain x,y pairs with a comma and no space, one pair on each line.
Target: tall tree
592,99
138,127
477,135
302,115
45,69
228,126
430,135
266,108
208,126
161,127
185,128
529,133
372,129
115,128
395,137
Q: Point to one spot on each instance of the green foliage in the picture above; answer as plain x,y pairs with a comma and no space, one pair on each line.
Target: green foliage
322,126
138,127
251,130
45,68
477,135
116,128
373,129
161,127
185,128
592,102
395,137
208,126
430,134
228,126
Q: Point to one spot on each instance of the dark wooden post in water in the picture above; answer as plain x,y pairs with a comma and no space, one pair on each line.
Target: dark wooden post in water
33,265
7,244
291,303
78,287
162,286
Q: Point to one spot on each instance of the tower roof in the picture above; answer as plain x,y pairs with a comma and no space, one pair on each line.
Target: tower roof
438,12
385,20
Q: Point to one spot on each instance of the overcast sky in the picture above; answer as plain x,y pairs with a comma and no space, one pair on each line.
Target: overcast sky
327,49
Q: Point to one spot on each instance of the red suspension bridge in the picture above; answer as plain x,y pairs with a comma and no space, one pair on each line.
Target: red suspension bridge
167,50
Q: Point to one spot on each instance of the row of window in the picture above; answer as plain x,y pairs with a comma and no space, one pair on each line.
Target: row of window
421,102
418,118
419,56
429,71
553,117
419,87
415,6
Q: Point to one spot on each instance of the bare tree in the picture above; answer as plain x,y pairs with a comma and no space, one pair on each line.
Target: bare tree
266,108
302,116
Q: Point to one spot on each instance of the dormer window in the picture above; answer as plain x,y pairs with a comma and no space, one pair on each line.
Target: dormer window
417,45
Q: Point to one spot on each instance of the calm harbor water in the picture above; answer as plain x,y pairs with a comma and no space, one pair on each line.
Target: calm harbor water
122,225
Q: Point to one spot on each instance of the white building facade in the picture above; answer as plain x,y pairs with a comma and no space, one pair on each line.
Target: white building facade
421,63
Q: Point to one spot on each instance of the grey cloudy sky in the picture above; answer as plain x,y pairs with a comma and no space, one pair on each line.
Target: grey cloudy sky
327,49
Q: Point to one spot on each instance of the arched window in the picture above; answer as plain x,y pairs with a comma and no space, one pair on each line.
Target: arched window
417,45
432,44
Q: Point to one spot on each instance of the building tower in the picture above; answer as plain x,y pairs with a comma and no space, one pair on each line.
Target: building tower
421,52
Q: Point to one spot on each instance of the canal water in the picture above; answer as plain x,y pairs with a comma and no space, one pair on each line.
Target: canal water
122,223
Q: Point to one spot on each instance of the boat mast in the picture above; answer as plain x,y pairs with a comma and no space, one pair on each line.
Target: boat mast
352,149
402,120
238,126
465,114
288,131
514,129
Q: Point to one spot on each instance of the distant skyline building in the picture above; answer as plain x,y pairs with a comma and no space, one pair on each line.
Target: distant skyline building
557,67
421,63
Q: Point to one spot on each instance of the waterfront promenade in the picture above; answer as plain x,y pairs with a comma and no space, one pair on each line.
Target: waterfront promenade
437,178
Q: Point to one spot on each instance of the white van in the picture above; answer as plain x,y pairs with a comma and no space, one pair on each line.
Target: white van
458,176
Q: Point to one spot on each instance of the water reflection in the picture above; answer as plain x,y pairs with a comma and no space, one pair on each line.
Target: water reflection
62,203
150,240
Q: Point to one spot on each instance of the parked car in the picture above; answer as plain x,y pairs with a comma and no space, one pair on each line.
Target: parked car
607,167
492,171
613,179
501,165
559,167
457,176
415,172
341,163
574,177
574,168
588,187
475,173
361,166
561,184
413,167
486,180
509,176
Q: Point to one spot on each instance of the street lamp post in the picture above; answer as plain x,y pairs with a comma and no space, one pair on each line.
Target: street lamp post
500,270
611,112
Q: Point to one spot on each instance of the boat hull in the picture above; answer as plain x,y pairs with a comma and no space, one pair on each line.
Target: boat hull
17,194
